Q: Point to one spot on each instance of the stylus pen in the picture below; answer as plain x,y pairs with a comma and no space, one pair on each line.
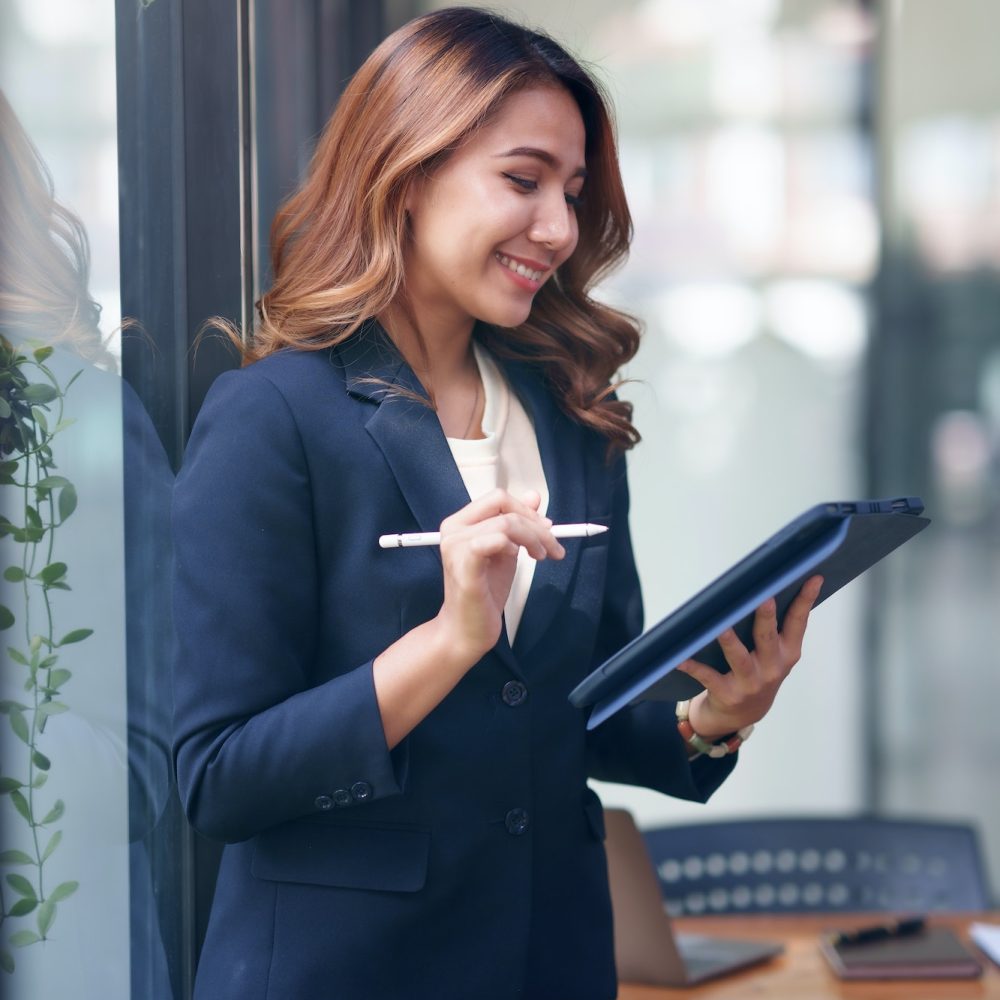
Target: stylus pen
434,537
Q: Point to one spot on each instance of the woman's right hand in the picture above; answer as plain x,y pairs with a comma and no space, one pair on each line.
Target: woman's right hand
479,547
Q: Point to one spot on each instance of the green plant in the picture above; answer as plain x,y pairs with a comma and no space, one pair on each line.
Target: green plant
40,501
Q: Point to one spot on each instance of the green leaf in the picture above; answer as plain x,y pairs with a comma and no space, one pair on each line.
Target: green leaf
52,483
50,847
8,785
39,392
54,813
21,804
39,417
63,891
41,353
67,502
21,939
40,779
7,706
8,468
77,635
23,907
41,761
5,410
52,572
59,585
6,960
16,858
52,708
13,574
33,519
46,914
63,424
22,886
59,677
17,656
20,725
6,617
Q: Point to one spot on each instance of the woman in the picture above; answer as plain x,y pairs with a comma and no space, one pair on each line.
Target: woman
383,737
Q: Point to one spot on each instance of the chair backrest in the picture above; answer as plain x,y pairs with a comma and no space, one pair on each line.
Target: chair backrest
803,865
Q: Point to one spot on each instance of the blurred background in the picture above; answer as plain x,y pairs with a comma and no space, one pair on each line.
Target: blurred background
815,186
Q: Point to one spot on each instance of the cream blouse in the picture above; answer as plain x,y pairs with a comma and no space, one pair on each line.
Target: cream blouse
507,457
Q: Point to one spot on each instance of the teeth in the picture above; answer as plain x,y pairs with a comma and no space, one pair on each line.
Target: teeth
525,272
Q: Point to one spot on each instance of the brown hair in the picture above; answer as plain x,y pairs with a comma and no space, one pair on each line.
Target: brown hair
337,244
44,254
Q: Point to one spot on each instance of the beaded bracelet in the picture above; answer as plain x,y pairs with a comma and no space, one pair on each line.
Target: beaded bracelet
727,745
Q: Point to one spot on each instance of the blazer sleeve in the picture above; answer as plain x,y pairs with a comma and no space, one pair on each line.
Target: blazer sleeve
257,740
640,745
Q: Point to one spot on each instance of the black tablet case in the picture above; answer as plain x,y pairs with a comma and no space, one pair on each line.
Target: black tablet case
837,540
936,953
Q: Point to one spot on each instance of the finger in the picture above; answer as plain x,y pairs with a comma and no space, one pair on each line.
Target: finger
492,545
488,505
736,654
793,628
706,676
536,537
766,641
532,499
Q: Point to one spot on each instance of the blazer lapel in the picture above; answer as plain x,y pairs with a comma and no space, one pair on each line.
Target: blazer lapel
409,435
561,449
405,429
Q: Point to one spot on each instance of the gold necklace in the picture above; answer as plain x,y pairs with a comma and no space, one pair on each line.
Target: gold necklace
472,415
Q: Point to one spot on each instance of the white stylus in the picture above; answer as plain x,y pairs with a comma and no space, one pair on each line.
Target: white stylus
407,541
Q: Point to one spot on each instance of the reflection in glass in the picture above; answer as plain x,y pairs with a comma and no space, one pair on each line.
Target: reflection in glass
84,493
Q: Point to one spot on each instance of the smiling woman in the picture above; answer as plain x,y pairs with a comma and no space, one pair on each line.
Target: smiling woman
383,736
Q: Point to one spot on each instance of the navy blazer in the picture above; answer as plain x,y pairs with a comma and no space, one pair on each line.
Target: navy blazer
467,862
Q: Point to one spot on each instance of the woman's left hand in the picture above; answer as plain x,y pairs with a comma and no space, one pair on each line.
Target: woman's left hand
744,695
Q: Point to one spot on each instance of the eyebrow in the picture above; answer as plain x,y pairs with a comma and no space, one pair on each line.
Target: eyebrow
540,154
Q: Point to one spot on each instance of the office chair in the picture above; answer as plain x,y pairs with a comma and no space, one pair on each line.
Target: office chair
819,865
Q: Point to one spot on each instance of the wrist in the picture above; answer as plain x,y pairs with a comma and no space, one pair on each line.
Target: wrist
697,743
452,643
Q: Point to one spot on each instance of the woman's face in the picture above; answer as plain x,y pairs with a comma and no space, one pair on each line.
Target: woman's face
494,221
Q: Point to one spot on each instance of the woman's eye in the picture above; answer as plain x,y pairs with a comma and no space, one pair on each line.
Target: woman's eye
525,183
574,200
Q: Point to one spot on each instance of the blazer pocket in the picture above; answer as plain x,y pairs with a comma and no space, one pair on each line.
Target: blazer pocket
347,857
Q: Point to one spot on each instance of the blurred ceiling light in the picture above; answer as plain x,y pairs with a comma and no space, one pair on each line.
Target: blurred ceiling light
745,180
68,22
960,452
847,24
746,75
946,161
823,320
710,319
689,23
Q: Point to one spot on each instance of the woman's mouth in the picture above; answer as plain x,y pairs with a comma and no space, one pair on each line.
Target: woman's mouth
522,270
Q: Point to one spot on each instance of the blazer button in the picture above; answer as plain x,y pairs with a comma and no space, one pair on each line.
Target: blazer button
361,791
513,693
323,802
516,822
342,797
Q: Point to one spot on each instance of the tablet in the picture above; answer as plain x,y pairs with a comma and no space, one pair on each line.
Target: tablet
838,540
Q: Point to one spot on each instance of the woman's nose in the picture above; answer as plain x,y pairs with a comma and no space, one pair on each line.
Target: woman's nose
554,225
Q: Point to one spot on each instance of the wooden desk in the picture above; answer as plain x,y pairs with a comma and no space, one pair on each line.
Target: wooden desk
801,973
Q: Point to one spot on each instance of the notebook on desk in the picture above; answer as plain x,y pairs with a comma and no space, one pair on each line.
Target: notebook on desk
838,540
646,948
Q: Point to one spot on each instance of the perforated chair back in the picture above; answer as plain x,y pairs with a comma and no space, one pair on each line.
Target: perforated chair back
817,865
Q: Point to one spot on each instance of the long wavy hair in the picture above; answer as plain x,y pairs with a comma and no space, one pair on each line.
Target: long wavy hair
44,254
337,244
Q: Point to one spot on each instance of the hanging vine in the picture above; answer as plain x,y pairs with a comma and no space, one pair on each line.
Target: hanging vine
38,502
